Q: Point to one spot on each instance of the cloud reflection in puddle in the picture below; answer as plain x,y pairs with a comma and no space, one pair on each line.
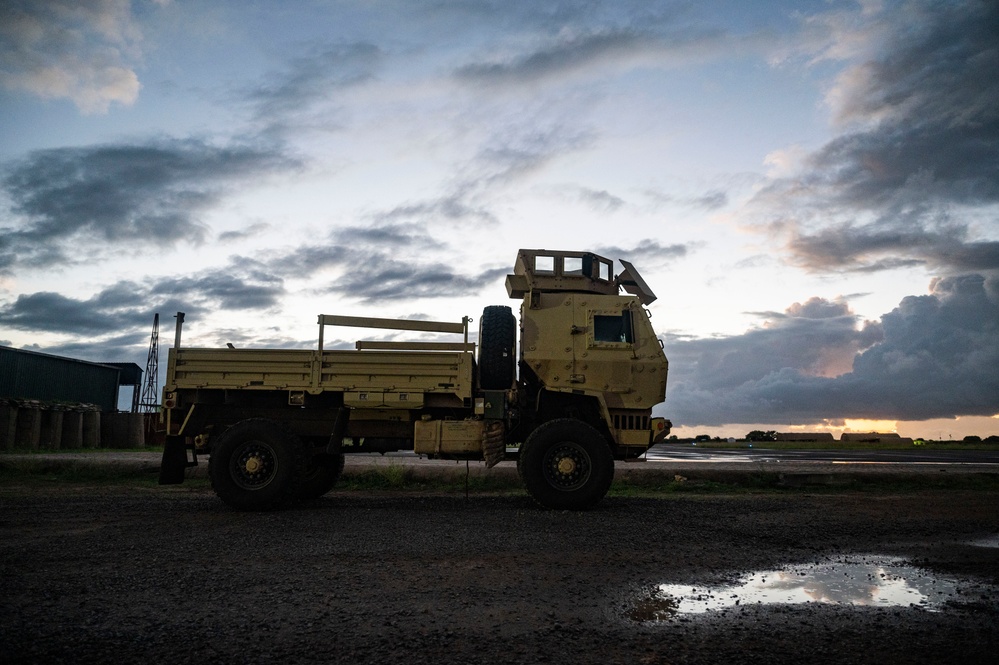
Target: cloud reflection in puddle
854,581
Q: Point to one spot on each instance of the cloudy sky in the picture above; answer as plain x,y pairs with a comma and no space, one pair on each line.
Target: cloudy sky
811,187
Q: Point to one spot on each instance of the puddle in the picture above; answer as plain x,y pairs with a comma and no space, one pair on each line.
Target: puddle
992,541
854,581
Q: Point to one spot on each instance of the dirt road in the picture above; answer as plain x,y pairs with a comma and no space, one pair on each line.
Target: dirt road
169,575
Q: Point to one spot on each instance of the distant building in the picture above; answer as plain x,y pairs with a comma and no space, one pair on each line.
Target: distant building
804,436
52,402
874,437
41,376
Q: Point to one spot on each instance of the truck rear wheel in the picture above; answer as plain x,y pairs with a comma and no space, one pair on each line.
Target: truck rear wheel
566,464
254,464
497,348
319,477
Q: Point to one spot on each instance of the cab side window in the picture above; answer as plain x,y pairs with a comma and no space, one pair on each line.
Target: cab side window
613,328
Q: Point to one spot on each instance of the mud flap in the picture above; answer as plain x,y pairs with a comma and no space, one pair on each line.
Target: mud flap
493,445
174,461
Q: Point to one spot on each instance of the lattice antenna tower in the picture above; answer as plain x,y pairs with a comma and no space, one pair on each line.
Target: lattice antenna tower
150,397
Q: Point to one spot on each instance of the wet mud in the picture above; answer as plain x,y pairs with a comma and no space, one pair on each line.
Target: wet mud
169,575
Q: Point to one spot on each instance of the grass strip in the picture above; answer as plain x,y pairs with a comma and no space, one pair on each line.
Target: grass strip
44,471
47,472
402,477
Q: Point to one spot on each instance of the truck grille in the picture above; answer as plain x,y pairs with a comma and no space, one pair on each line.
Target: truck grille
628,421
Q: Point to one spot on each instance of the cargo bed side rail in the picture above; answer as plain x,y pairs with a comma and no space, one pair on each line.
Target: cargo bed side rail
400,324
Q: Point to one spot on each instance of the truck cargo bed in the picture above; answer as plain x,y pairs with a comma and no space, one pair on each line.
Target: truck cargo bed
413,372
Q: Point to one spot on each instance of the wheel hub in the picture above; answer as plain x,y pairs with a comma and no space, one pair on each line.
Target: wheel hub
254,467
254,464
566,466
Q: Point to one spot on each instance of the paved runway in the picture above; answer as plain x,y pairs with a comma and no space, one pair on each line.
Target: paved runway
674,453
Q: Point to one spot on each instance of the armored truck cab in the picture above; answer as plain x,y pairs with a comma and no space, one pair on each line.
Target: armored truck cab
586,351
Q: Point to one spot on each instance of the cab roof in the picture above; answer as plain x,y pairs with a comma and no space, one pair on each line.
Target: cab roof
548,271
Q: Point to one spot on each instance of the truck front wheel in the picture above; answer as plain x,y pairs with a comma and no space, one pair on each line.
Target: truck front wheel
566,464
254,465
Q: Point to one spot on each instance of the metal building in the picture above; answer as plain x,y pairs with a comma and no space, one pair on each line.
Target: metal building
32,375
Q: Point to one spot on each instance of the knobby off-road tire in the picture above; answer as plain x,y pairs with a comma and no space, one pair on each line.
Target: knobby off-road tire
255,465
319,476
566,464
497,348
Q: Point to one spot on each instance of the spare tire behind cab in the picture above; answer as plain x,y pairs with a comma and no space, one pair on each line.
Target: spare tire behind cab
497,348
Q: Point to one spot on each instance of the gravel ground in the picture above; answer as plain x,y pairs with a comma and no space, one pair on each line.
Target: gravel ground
169,575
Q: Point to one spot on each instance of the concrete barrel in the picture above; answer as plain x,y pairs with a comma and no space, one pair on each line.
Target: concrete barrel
51,431
8,425
136,430
72,429
29,427
91,429
122,430
109,434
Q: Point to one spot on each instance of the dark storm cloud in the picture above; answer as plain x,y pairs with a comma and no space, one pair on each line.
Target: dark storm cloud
920,147
815,339
291,96
119,348
514,18
349,246
940,353
128,306
875,247
600,199
447,207
248,232
708,201
312,76
649,254
386,278
933,356
120,195
519,151
46,311
634,36
385,262
390,235
556,59
223,290
504,159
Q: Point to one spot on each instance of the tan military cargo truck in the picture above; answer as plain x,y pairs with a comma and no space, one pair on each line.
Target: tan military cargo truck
578,394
